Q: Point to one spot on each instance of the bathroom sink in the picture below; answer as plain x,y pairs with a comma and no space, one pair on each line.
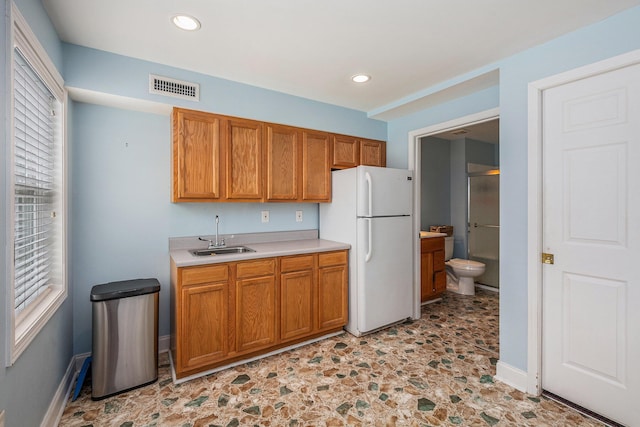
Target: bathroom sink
431,234
221,251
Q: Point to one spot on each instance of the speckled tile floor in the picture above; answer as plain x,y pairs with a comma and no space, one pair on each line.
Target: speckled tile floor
432,372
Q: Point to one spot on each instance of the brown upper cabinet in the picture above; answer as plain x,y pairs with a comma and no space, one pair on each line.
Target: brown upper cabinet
316,166
283,163
346,152
298,165
373,153
244,160
197,163
349,152
219,158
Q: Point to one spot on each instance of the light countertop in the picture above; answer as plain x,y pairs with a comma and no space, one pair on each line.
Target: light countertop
431,234
263,249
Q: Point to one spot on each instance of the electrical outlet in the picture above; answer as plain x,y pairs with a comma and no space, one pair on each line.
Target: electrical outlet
298,216
265,216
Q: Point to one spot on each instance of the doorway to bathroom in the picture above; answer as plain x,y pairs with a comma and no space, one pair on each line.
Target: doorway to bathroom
459,186
421,173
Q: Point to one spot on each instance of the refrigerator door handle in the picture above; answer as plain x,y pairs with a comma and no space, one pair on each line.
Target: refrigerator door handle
367,178
369,254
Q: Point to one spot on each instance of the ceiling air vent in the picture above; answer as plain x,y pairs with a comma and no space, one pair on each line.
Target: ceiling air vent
166,86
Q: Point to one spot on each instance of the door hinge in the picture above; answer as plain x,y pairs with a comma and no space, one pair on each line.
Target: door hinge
547,258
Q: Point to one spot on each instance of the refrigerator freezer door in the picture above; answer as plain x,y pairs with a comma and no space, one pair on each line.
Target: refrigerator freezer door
385,272
384,191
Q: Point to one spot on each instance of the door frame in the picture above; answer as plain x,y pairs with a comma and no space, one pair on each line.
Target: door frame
534,202
414,151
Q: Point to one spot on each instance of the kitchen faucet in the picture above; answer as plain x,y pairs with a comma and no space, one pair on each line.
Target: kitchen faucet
218,243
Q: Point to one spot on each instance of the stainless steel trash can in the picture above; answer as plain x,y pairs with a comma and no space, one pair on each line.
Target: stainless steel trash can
125,336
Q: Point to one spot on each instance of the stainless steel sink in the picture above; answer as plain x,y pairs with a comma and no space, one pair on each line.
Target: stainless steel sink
221,251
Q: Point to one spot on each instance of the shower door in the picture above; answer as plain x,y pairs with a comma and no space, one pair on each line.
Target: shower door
484,223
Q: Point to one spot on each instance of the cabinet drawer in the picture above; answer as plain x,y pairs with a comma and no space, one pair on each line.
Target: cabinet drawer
209,274
438,260
332,258
296,263
261,267
432,244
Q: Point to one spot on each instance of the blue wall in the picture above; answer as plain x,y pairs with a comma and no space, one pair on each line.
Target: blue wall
27,387
613,36
122,215
120,75
435,202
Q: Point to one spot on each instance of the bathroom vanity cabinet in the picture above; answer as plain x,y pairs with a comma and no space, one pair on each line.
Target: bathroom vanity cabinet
433,279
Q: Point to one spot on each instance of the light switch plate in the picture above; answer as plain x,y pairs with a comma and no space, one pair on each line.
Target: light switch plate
265,216
298,216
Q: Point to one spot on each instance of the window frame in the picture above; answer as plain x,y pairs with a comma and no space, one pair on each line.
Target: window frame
25,326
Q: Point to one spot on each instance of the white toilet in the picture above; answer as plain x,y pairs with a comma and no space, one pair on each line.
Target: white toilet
460,272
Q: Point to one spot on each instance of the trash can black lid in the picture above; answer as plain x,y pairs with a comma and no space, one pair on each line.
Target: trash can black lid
124,289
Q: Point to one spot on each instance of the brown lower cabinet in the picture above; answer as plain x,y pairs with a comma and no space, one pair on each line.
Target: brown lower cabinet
433,279
227,312
255,305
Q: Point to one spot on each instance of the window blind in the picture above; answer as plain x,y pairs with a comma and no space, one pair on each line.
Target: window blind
34,184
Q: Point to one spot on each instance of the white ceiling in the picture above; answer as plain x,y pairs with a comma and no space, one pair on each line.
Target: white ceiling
311,48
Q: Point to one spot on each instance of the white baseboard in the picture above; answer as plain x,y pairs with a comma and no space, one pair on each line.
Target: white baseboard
59,402
164,343
509,375
488,288
56,408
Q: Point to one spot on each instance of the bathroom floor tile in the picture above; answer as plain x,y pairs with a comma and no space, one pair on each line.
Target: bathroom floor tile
436,371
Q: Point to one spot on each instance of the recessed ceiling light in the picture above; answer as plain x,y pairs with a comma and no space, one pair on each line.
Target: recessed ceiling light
186,22
361,78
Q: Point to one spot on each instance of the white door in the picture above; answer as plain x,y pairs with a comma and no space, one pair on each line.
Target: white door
385,271
591,223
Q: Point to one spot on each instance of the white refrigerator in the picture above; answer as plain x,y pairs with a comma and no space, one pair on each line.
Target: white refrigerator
371,209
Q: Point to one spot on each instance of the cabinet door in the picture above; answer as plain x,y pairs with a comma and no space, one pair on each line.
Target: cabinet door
333,282
346,152
244,160
316,167
296,296
282,160
202,325
439,272
255,309
197,163
427,288
373,153
296,304
433,280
